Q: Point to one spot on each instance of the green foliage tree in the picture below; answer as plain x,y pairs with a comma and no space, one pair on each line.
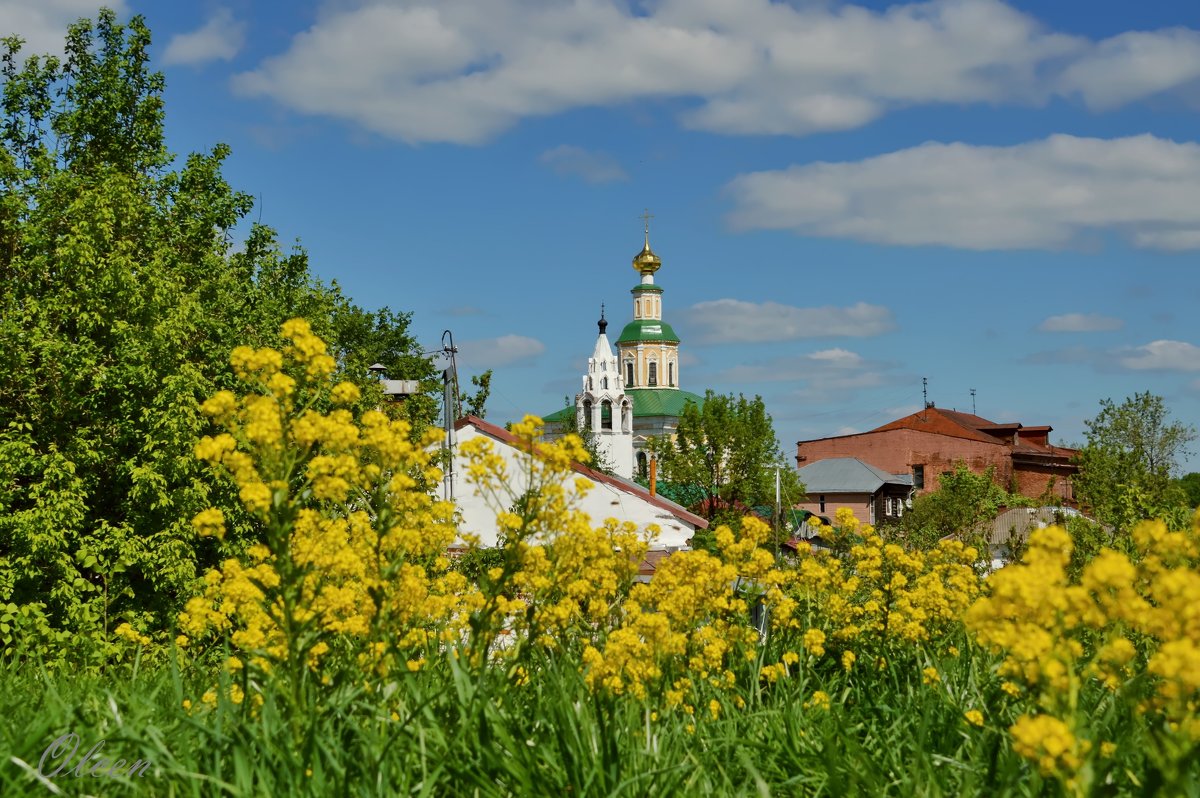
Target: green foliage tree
725,452
476,402
122,299
962,506
1190,485
1125,467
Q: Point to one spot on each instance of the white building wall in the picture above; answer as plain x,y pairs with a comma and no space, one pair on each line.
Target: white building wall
602,502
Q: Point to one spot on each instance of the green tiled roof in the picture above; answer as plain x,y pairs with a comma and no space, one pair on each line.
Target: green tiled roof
646,402
640,287
647,330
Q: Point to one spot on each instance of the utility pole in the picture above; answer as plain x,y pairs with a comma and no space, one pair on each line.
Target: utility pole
451,410
778,514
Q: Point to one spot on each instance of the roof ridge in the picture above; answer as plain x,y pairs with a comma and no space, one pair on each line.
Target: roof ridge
621,484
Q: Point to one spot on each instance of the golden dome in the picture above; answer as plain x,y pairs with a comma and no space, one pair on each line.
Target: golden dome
646,262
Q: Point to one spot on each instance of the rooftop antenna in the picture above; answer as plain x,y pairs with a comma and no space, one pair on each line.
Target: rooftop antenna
925,398
972,401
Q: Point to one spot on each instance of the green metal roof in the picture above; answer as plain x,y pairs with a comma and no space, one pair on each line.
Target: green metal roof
661,401
646,402
647,330
567,413
641,287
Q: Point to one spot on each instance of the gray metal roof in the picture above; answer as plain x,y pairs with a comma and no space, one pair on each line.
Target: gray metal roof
847,475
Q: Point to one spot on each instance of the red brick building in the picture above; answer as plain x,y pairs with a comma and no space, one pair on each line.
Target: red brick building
930,442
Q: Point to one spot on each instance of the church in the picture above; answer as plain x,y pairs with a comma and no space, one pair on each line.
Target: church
635,394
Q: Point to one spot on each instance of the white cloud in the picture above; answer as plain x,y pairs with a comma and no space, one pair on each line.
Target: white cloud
1041,194
824,376
43,24
839,367
1134,65
1161,356
220,38
592,166
734,321
1081,322
465,70
507,350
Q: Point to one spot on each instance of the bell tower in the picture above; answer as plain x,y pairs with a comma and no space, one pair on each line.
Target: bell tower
603,408
649,347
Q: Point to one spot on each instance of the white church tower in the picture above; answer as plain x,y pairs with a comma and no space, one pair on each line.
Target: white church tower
604,408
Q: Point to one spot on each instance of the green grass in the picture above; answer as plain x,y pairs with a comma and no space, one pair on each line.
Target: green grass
462,736
467,735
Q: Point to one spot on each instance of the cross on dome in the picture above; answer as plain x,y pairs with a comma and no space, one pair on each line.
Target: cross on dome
646,262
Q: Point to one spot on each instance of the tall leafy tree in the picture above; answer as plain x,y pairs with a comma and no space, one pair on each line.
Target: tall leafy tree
726,453
122,298
1125,467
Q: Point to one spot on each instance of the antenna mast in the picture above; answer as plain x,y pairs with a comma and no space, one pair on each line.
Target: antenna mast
925,398
972,401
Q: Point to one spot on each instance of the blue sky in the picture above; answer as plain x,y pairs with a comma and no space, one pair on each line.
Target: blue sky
846,198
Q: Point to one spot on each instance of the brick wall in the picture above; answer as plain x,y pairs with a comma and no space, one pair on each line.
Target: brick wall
897,451
1033,480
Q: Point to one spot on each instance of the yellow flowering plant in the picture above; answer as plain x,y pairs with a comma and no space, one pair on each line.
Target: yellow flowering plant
560,579
875,596
1129,626
351,554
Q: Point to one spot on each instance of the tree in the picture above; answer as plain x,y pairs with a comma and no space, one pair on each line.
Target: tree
963,504
483,389
122,300
726,452
1190,485
1126,465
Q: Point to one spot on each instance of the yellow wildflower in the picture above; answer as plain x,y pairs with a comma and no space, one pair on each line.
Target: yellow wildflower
819,700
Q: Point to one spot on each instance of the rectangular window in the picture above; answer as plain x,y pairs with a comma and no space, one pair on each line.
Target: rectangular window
822,502
671,374
919,477
629,374
653,374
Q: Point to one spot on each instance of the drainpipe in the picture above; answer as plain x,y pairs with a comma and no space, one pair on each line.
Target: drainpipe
653,475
